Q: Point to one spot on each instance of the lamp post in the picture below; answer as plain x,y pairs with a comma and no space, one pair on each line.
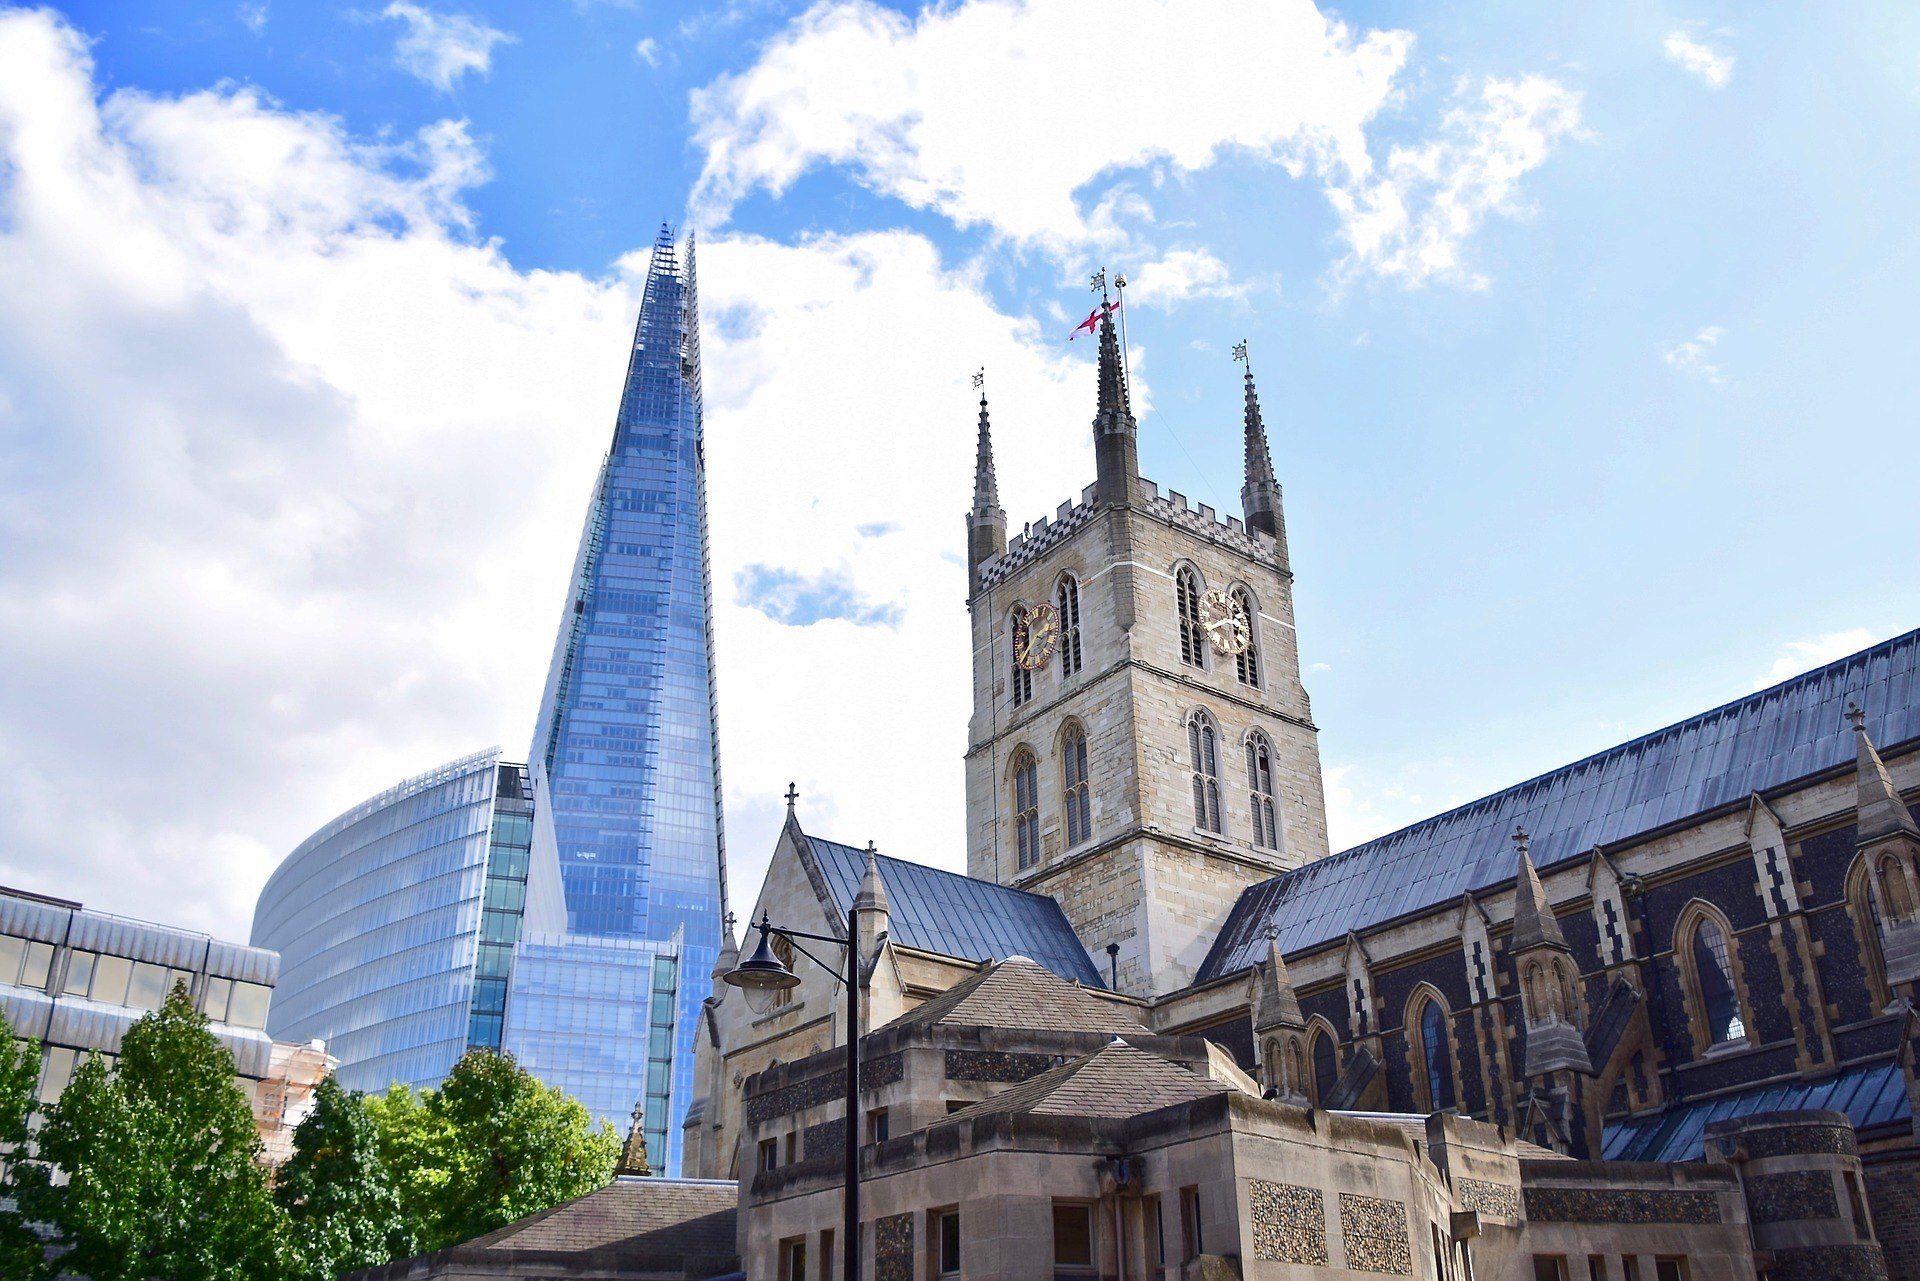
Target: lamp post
763,975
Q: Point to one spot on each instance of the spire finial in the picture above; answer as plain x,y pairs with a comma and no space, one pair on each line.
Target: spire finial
1856,717
1521,841
1260,494
793,798
633,1154
873,890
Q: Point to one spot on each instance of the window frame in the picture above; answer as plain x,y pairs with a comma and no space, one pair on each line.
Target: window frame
938,1264
1414,1027
1020,679
1263,803
1066,598
1089,1211
1203,761
1246,664
1076,790
1188,588
1688,942
1023,772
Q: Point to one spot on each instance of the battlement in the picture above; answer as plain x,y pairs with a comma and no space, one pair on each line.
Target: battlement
1044,534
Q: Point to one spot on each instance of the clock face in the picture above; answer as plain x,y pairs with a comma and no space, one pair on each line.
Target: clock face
1036,631
1225,623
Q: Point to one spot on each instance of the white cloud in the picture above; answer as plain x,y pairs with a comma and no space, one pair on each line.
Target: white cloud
1800,656
253,17
295,470
1410,221
1694,357
1707,64
921,110
439,48
648,51
1182,274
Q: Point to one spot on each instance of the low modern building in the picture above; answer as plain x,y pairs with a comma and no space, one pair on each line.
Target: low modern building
75,981
417,926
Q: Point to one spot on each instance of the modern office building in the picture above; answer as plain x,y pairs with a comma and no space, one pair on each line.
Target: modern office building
395,923
624,755
75,981
569,911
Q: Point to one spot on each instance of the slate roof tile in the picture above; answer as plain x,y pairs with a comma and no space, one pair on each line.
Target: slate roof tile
1019,993
1114,1083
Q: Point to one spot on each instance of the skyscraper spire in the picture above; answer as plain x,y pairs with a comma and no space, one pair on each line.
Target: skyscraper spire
987,520
1260,495
1115,436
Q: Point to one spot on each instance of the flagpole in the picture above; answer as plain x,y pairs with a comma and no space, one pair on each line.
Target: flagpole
1120,287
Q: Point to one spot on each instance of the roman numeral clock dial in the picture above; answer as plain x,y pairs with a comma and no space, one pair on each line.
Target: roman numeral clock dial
1225,623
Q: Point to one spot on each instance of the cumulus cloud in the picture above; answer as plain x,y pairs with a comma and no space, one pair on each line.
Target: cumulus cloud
439,48
253,17
296,464
899,102
1694,357
1710,66
1800,656
1180,275
801,600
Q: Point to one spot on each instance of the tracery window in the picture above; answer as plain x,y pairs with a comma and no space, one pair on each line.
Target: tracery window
1436,1056
1020,680
1026,808
1326,1066
1068,603
1266,815
1203,752
1193,639
1246,664
1075,798
1713,988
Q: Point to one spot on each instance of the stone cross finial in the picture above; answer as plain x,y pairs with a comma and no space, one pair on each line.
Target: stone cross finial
1273,931
1856,717
793,797
1521,841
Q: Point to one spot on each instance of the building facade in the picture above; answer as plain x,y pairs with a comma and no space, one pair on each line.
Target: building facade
396,924
625,752
74,981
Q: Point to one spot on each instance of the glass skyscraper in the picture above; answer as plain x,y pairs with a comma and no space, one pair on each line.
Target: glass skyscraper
624,755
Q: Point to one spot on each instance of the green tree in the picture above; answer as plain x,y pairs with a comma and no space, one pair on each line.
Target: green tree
161,1162
24,1185
342,1209
491,1145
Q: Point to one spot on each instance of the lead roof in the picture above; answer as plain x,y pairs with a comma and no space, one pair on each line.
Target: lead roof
1778,736
1868,1095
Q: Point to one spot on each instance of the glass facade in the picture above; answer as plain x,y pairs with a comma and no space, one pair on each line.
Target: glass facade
380,916
624,751
582,1011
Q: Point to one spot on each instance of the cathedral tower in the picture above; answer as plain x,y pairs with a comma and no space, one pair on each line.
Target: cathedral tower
1141,748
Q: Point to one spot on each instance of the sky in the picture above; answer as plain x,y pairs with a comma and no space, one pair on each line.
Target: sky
1583,334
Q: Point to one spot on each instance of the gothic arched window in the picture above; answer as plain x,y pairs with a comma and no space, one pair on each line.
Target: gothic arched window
1193,638
1266,815
1326,1066
1716,999
1018,677
1074,796
1436,1056
1069,605
1869,930
1026,808
1203,751
1896,896
1246,664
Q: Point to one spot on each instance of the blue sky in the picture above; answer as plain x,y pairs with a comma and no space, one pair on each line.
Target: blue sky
1583,333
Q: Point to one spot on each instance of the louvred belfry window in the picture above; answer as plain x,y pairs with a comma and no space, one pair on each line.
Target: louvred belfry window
1246,664
1203,748
1019,678
1193,647
1069,606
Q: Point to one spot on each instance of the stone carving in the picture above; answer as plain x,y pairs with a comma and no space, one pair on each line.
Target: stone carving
1501,1199
1289,1223
1621,1205
893,1248
1376,1235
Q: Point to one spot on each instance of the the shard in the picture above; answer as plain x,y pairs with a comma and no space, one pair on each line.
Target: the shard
624,757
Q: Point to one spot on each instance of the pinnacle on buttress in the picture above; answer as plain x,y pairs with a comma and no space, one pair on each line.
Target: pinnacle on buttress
633,1154
1276,1005
873,891
1534,924
1260,495
1115,435
1878,808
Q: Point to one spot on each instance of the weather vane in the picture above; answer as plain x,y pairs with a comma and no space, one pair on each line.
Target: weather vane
1240,352
1100,281
980,377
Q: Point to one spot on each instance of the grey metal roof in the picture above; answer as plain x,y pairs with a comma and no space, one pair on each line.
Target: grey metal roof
1763,741
939,911
1868,1095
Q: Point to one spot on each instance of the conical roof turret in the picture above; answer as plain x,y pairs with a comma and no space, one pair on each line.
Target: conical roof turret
1260,493
1275,1003
986,519
1115,435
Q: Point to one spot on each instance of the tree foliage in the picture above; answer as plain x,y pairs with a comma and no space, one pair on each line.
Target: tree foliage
491,1145
161,1158
342,1209
23,1183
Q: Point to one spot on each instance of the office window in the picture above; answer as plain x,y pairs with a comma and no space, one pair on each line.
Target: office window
1630,1267
213,1001
1669,1268
1596,1267
248,1005
58,1070
110,977
946,1243
1072,1237
1192,1245
1549,1267
79,974
769,1154
793,1259
148,986
877,1128
24,963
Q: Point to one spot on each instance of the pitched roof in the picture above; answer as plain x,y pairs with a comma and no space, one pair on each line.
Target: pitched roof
1868,1095
1766,740
953,915
1117,1082
1019,993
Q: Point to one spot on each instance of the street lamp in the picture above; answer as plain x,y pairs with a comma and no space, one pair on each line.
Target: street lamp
763,976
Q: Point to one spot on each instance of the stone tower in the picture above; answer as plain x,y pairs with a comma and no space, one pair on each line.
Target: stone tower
1154,753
